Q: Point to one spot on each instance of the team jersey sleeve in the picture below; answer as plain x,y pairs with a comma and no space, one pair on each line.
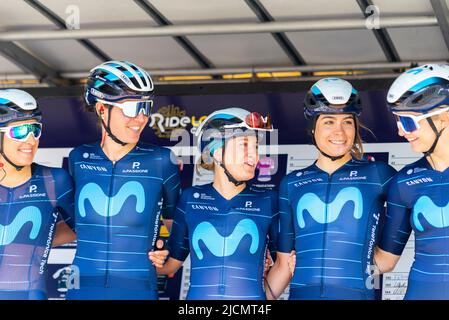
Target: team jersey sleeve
274,226
397,228
171,186
178,242
286,235
65,197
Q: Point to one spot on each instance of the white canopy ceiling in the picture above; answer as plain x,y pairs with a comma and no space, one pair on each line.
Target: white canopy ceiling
184,52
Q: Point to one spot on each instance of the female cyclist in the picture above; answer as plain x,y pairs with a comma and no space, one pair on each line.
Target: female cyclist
122,187
330,211
225,226
418,197
34,200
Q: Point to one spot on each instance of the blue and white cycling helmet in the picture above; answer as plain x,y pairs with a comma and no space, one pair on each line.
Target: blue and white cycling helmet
17,105
225,124
420,89
113,82
331,95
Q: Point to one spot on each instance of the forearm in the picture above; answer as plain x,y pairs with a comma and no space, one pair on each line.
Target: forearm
385,261
277,279
171,266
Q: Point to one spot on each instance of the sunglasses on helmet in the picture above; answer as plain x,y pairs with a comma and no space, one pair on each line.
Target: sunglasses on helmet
254,121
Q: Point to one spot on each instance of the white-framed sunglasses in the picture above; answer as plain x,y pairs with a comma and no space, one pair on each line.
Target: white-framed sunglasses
21,132
132,109
409,123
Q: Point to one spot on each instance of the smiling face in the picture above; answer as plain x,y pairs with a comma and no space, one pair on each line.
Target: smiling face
21,153
126,129
241,157
422,139
335,133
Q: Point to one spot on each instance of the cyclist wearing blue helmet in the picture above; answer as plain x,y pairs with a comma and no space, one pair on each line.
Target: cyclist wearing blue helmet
122,188
225,226
417,200
34,200
330,211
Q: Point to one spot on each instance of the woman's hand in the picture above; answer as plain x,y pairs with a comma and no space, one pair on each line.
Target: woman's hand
158,257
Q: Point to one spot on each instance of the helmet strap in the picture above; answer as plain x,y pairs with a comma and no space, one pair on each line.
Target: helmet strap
107,127
226,171
229,175
437,138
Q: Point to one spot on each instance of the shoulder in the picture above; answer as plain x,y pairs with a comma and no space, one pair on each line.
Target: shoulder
413,168
83,151
194,192
59,176
264,193
163,154
300,174
152,149
382,167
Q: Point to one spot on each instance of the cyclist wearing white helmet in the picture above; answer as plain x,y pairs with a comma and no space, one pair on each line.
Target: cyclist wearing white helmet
34,200
120,185
417,200
330,211
225,226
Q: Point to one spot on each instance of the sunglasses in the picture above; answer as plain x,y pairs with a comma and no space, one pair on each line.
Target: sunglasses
132,109
254,121
409,123
22,132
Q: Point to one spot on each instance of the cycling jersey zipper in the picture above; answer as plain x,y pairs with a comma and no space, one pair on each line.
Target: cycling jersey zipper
108,222
326,200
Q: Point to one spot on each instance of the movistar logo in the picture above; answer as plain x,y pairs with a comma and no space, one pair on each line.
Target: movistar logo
433,214
323,212
28,214
221,246
100,201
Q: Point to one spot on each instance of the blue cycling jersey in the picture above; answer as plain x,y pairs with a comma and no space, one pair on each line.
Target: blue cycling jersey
418,201
332,222
227,240
28,218
118,207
